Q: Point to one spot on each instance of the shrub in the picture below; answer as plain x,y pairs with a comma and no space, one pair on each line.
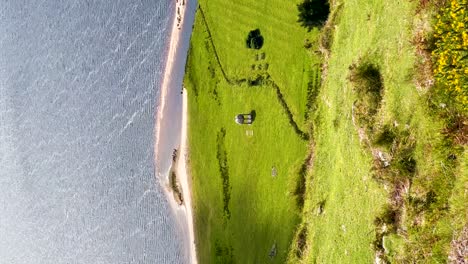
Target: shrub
221,155
313,13
254,39
451,51
368,85
301,242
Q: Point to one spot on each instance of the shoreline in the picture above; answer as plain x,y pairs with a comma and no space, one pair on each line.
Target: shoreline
171,123
170,60
183,178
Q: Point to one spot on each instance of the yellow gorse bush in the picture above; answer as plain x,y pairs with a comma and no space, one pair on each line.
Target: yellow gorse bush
451,51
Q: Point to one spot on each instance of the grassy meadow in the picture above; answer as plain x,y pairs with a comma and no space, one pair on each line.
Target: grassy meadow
356,210
379,174
243,214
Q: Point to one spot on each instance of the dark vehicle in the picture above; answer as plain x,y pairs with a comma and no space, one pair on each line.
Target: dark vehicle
242,119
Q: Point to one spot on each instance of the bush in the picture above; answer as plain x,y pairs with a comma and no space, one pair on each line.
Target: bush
254,39
368,85
451,52
313,13
221,155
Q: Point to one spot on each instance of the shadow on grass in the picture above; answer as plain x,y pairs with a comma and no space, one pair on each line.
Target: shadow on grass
224,253
212,44
313,89
299,192
303,135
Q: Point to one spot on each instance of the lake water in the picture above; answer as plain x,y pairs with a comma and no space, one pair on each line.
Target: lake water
79,82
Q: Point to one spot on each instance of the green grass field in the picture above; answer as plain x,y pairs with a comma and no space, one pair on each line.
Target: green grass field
342,175
341,181
241,211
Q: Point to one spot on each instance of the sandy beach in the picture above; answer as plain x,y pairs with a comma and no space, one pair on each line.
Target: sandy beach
171,123
170,68
183,177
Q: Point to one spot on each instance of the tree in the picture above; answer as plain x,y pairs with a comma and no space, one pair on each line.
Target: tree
254,39
313,13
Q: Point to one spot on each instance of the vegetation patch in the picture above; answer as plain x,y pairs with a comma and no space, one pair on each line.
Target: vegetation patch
413,204
301,242
451,52
175,187
457,128
394,166
174,182
313,13
459,247
210,39
254,40
430,214
313,88
327,32
300,182
221,154
288,112
224,254
368,85
395,158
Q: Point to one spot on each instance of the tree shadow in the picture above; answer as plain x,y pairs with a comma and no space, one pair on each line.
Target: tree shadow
313,13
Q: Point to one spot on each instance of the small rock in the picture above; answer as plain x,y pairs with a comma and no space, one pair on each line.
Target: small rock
384,228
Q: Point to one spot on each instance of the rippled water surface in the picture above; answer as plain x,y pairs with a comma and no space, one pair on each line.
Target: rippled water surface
79,83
